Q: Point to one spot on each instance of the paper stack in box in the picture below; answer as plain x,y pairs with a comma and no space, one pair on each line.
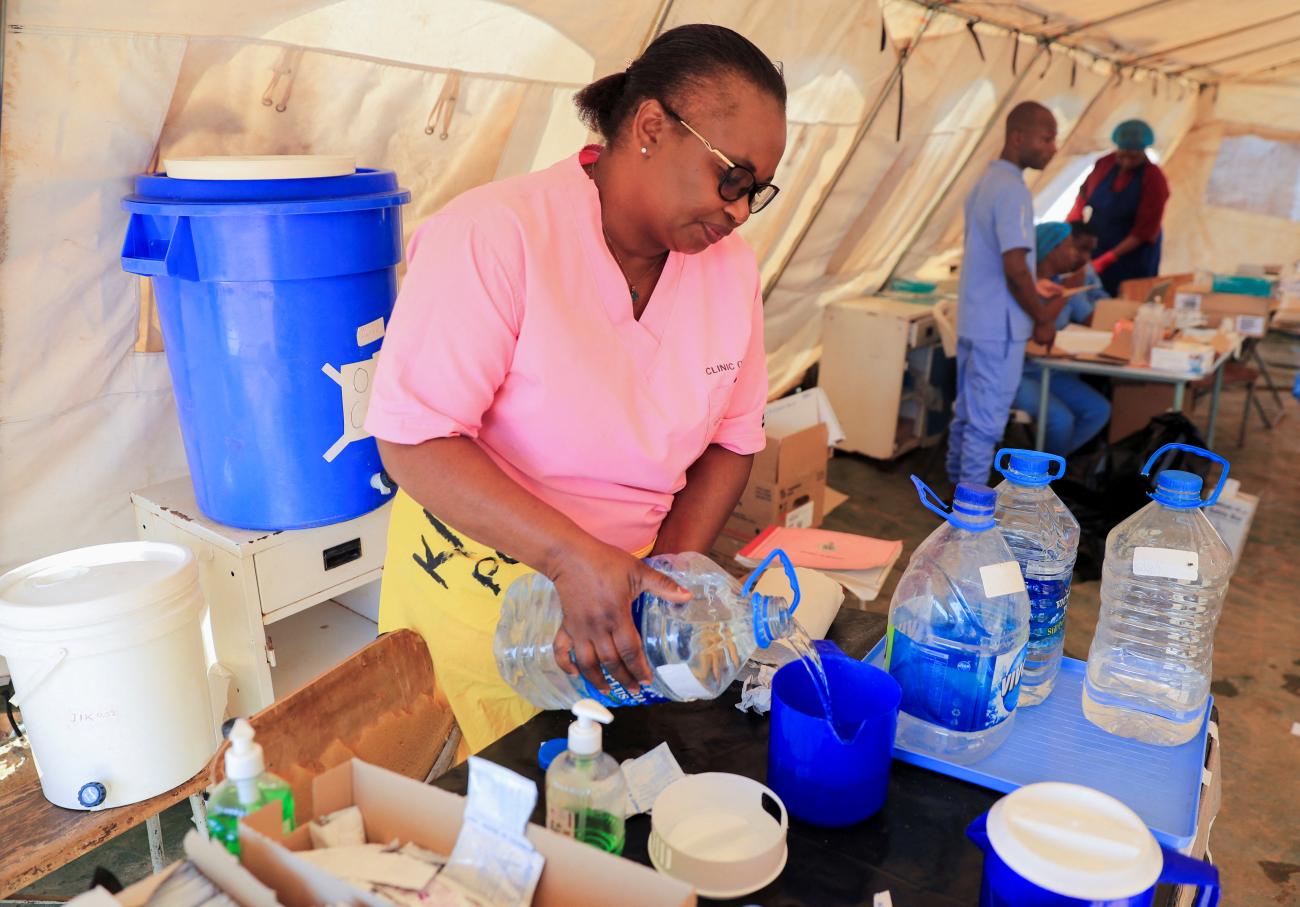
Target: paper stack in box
857,562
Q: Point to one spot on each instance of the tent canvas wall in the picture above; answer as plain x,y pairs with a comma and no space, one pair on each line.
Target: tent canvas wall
894,110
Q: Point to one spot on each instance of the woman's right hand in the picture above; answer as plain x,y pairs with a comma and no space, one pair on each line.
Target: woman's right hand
597,585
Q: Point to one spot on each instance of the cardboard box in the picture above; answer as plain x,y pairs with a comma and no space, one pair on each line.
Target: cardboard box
1139,288
399,808
1184,357
1249,314
787,484
1133,404
1232,515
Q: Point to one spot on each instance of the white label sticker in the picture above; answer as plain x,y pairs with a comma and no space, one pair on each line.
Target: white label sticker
801,517
1251,325
679,679
1168,563
1002,579
1187,302
369,333
882,899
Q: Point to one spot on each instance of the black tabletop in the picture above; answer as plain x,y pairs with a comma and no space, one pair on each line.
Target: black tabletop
915,847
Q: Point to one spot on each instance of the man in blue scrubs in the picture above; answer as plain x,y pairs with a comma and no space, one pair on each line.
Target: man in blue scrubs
1000,303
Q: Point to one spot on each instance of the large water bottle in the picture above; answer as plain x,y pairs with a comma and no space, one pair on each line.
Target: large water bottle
696,649
1163,581
1044,537
958,629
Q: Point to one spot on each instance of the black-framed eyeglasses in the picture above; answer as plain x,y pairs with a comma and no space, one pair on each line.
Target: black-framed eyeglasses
737,181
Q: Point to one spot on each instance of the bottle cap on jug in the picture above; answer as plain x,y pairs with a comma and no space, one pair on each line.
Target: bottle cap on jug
585,733
244,759
1074,841
1032,468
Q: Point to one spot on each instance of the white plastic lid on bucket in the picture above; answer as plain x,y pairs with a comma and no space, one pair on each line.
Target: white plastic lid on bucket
80,589
711,831
1074,841
260,166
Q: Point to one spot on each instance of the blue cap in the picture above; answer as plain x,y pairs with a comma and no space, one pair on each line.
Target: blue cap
1133,135
1178,489
550,750
1031,468
973,506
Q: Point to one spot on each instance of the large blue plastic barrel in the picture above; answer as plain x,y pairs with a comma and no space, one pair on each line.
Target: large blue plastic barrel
272,296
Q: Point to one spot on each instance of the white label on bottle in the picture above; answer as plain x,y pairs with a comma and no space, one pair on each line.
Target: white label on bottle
801,517
1002,579
1187,302
1167,563
370,332
882,899
1251,325
679,679
560,820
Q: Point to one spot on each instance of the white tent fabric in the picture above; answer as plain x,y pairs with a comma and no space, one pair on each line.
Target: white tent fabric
454,93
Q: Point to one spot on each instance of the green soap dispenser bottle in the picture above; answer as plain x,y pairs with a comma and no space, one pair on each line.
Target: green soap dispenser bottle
586,796
247,788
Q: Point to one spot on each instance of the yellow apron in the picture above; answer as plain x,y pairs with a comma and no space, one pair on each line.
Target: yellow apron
448,587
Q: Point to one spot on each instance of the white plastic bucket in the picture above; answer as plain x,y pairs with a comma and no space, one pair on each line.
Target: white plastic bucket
105,647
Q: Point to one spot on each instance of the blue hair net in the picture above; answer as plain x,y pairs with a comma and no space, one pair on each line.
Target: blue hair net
1049,235
1133,135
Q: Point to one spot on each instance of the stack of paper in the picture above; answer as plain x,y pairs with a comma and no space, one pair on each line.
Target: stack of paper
857,562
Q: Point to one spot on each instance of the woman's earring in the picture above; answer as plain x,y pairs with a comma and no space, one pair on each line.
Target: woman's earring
645,150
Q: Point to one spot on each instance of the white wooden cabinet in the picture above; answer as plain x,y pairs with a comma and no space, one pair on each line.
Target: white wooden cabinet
274,623
878,358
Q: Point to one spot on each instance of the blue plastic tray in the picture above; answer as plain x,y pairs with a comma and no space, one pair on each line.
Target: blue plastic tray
1052,741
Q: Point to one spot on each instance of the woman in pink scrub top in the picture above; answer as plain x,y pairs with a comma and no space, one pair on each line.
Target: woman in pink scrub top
574,377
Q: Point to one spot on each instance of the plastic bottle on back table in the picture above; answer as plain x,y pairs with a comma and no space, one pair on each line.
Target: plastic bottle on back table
1044,537
1163,581
696,649
958,629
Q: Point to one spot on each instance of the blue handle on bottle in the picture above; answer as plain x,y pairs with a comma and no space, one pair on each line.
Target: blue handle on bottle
1200,452
747,590
930,500
1181,870
1009,452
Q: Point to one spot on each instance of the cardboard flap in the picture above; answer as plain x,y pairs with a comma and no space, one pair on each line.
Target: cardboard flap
802,452
1109,311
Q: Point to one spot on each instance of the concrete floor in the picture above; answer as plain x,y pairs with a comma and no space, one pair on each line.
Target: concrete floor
1256,838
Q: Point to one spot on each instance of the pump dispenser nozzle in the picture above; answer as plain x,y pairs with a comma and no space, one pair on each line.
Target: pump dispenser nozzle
585,733
244,759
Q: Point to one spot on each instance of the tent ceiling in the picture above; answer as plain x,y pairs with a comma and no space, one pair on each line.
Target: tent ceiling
1204,40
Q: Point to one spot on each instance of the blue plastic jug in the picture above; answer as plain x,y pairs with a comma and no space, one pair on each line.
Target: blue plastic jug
1065,845
824,777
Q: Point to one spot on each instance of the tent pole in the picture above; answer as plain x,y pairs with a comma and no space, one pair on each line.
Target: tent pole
661,17
1160,54
1237,56
886,92
961,168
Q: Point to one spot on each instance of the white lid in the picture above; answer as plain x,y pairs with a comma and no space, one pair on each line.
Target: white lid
585,733
260,166
1074,841
244,759
93,585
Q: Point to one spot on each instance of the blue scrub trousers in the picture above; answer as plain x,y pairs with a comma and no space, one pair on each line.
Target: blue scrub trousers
1076,412
988,376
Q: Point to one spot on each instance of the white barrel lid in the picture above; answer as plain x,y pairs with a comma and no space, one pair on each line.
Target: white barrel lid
260,166
1074,841
93,585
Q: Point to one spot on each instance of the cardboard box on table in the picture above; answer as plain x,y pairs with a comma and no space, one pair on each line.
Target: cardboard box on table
398,808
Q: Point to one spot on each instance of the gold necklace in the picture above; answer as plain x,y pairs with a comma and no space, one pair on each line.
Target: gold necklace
631,284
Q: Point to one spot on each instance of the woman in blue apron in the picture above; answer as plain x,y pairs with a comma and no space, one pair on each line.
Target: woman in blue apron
1127,193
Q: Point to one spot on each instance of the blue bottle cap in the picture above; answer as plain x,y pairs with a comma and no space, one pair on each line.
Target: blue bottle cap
1031,468
1178,489
973,506
550,750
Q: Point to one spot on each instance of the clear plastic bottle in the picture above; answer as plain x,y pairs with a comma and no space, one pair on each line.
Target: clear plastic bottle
1044,537
696,649
248,787
1163,582
1148,330
586,795
958,629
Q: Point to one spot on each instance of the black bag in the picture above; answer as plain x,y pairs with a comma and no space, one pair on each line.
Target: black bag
1105,487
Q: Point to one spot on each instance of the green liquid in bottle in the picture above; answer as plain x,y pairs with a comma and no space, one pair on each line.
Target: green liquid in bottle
600,829
225,810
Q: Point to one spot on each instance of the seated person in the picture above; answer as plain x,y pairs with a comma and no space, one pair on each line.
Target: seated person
1076,412
1084,236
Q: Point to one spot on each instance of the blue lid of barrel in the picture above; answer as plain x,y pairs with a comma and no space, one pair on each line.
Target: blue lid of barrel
366,188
